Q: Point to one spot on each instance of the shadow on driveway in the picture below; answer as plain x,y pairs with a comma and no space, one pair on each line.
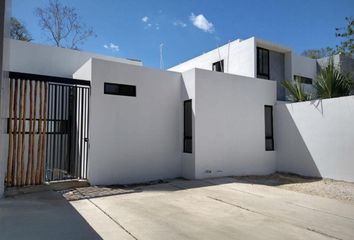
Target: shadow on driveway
42,215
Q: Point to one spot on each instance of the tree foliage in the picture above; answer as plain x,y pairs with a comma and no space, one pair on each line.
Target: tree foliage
318,53
62,25
18,31
346,46
347,34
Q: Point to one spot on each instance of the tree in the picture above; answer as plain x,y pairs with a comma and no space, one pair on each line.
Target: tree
318,53
345,47
18,31
296,90
63,25
332,83
347,33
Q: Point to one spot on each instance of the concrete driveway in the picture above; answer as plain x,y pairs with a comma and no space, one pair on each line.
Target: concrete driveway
217,209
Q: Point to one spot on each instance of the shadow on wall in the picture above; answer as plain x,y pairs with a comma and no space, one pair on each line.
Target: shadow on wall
293,155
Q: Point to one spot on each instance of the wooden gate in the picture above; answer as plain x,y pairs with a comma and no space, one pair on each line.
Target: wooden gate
48,129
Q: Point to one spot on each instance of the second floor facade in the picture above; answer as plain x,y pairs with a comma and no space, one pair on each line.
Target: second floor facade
256,58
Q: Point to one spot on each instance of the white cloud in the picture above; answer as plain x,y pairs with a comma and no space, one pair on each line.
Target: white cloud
179,23
112,46
157,26
202,23
145,19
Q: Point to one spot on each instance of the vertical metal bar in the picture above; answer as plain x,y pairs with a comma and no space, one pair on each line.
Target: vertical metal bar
74,131
62,164
52,160
70,128
82,131
60,106
63,125
55,128
66,128
47,158
84,135
88,130
10,152
43,132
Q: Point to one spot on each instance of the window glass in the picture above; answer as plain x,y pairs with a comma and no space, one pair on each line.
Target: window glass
187,138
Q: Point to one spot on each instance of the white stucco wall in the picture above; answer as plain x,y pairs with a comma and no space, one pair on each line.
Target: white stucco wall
229,125
53,61
304,66
134,139
238,56
316,138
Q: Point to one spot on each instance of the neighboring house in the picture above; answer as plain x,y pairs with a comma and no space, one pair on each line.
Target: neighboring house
114,121
257,58
345,64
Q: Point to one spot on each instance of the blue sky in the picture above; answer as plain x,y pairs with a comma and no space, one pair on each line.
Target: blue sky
187,28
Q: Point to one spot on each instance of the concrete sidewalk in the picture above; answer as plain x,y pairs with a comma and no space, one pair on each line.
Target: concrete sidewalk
42,215
217,209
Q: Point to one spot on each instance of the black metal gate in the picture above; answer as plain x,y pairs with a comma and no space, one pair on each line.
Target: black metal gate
67,132
51,123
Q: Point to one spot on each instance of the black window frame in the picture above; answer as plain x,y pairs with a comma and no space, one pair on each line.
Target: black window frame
272,128
261,73
121,89
185,136
303,80
220,64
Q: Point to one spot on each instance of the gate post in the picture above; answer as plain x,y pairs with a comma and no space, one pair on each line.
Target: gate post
4,33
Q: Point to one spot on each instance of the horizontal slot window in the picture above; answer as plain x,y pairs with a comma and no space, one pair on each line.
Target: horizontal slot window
120,89
304,80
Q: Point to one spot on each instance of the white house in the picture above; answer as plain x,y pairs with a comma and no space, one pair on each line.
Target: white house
114,121
255,58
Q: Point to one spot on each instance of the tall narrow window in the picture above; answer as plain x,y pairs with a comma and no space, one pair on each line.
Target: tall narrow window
187,136
218,66
268,121
262,63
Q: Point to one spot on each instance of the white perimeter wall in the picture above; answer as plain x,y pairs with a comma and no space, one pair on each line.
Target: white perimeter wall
238,56
134,139
53,61
316,138
229,125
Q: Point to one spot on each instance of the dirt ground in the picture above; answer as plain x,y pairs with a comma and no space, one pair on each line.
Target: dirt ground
329,188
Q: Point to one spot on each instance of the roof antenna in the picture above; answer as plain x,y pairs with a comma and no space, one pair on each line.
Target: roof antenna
221,65
161,57
228,56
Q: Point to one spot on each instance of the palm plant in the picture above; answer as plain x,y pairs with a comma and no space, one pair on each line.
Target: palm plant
296,90
332,83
